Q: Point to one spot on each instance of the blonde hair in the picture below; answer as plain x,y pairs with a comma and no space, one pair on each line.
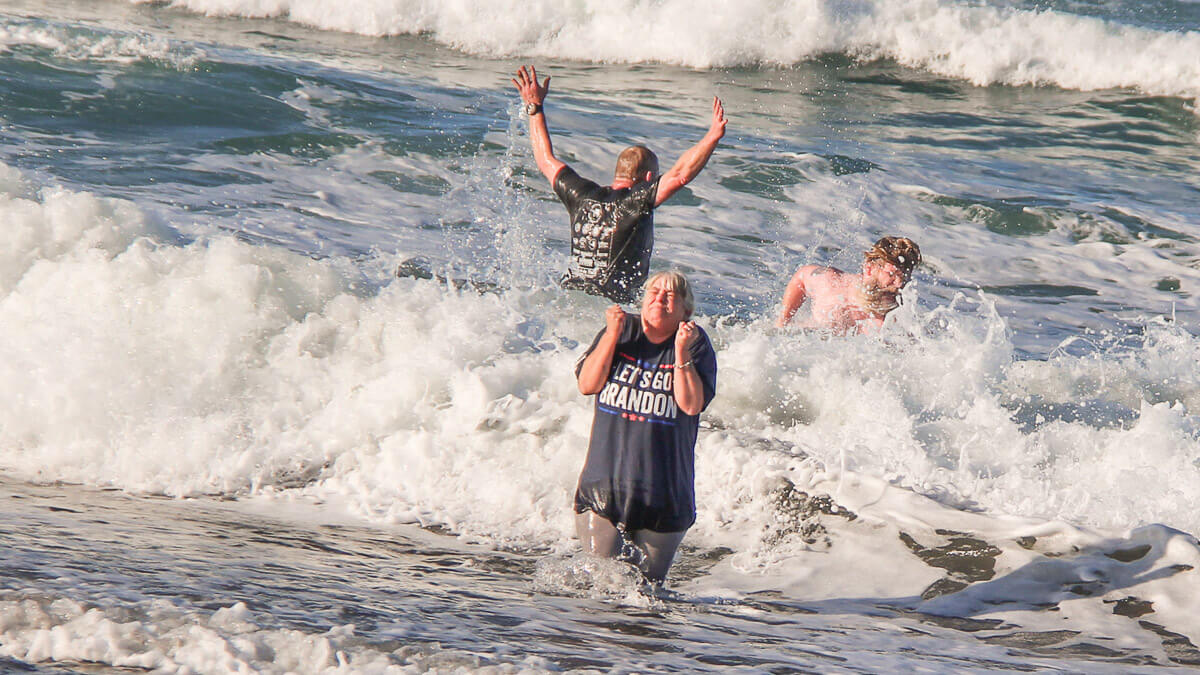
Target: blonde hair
899,251
679,285
634,162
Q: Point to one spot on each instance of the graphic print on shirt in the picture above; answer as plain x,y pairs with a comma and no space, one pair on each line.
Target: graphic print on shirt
640,391
592,236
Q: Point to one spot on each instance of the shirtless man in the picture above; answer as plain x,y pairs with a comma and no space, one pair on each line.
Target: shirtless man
852,303
612,227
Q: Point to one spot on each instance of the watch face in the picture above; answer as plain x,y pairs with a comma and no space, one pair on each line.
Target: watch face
531,108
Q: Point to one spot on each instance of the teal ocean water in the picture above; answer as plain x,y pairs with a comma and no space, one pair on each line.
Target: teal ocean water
233,440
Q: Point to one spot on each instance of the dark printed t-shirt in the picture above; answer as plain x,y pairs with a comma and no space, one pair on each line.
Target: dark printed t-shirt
612,235
640,468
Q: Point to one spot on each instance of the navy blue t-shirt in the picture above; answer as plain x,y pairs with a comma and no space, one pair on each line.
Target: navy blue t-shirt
612,235
640,467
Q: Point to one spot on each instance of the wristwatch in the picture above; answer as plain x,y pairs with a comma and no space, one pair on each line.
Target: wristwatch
532,109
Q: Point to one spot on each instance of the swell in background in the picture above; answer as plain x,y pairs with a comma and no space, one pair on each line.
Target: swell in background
1150,46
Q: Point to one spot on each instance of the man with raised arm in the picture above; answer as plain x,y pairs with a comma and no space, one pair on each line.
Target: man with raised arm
852,303
612,228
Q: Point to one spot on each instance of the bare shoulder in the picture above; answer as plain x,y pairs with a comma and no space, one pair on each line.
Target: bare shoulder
819,273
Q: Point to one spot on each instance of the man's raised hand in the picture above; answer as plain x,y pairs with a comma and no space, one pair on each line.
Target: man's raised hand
717,128
527,84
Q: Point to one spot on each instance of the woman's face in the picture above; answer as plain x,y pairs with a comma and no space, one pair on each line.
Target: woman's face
883,276
661,306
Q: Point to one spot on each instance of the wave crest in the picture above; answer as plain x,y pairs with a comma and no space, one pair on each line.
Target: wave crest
983,45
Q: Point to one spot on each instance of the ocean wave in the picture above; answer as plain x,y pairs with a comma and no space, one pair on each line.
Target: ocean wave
96,45
216,366
983,45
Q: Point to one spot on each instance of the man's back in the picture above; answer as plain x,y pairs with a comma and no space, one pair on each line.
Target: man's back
612,234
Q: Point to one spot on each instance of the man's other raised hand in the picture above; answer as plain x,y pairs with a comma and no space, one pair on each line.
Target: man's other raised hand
527,84
717,129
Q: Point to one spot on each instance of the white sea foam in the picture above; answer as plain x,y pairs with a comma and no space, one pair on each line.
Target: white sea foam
984,45
863,555
219,366
158,636
92,45
135,359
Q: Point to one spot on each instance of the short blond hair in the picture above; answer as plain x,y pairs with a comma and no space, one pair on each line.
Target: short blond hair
634,162
679,285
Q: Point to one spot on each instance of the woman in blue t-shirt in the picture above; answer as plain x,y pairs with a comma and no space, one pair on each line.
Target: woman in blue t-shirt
652,375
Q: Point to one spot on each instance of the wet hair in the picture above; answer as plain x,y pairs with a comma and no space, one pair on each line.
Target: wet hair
899,251
880,301
634,162
677,283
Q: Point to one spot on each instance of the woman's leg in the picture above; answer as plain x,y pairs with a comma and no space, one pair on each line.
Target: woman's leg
658,551
602,539
598,535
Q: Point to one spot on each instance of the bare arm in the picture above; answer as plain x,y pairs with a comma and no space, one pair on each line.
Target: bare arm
539,133
794,295
597,365
688,389
692,161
